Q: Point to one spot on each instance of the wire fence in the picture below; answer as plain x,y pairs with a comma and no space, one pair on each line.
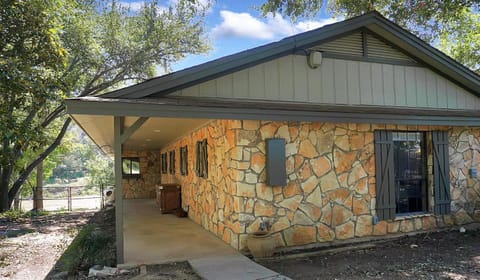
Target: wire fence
67,198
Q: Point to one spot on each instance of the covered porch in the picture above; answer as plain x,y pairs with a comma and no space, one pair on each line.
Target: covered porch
151,237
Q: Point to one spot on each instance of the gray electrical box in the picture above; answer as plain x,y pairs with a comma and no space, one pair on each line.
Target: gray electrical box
276,168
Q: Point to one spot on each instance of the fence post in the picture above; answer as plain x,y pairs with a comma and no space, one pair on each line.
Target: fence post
102,201
69,195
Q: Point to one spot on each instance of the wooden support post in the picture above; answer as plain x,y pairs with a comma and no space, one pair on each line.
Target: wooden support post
117,128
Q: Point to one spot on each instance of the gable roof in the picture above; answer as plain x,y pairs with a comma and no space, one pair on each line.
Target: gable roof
373,21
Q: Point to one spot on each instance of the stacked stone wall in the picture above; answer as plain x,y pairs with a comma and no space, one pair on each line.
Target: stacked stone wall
144,185
211,201
330,191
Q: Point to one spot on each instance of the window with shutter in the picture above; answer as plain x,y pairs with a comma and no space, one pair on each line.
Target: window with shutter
201,163
171,162
385,184
184,160
164,163
441,172
402,173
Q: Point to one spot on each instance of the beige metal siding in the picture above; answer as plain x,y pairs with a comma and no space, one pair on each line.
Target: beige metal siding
339,81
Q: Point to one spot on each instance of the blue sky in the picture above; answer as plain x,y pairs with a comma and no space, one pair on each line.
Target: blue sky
237,25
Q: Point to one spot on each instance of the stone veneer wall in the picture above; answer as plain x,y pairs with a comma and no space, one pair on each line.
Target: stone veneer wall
144,186
211,201
330,193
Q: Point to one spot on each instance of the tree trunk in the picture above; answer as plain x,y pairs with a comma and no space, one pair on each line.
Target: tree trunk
4,184
38,193
16,202
24,175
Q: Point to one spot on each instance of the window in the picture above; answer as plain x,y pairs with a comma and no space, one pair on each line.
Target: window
410,169
164,163
184,160
171,157
402,173
201,163
130,167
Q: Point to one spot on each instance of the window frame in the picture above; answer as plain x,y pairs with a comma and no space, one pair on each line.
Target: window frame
424,176
130,174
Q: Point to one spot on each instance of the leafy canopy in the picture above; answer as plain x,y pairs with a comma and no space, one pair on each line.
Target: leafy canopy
51,49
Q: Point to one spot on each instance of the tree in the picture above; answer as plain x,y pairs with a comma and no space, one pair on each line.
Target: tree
89,46
455,22
30,58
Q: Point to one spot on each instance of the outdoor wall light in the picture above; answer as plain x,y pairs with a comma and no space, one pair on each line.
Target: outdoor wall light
314,59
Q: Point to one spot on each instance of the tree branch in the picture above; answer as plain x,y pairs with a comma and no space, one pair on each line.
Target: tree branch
24,175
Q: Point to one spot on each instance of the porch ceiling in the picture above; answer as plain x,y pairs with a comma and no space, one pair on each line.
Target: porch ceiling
154,134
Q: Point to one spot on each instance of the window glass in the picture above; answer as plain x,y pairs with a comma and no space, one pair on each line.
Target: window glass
410,172
130,167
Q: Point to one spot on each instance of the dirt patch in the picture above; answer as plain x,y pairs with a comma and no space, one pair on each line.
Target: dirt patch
441,255
29,247
95,246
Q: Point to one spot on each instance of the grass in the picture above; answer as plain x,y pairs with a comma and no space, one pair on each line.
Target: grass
12,215
92,246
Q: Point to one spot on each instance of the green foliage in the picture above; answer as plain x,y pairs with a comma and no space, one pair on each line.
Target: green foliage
100,169
31,58
455,22
90,247
12,215
465,46
110,45
51,49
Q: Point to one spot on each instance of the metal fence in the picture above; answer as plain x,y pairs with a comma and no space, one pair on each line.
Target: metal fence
68,198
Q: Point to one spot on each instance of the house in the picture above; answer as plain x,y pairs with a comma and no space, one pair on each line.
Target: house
351,131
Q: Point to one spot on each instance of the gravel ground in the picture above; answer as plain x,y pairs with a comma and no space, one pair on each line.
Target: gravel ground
29,247
440,255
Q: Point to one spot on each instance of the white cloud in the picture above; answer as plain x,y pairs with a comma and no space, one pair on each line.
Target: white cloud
244,25
241,25
312,24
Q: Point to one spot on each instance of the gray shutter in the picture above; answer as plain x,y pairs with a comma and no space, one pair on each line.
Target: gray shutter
441,172
384,173
185,160
205,158
197,158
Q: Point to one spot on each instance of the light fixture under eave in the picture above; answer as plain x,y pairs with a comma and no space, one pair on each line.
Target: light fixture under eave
314,59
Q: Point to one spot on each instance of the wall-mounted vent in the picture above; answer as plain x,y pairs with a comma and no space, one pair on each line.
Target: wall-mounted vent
364,45
377,48
348,45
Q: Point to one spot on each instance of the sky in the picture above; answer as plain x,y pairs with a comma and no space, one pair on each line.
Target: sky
236,25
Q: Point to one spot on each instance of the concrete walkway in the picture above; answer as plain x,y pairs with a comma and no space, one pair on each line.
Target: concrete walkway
234,267
153,238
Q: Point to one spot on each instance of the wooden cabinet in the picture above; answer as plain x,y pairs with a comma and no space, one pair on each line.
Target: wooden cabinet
168,197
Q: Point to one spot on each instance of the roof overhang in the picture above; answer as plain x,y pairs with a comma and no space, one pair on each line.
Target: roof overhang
205,108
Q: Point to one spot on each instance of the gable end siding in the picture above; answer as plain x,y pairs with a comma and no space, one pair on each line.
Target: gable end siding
338,81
